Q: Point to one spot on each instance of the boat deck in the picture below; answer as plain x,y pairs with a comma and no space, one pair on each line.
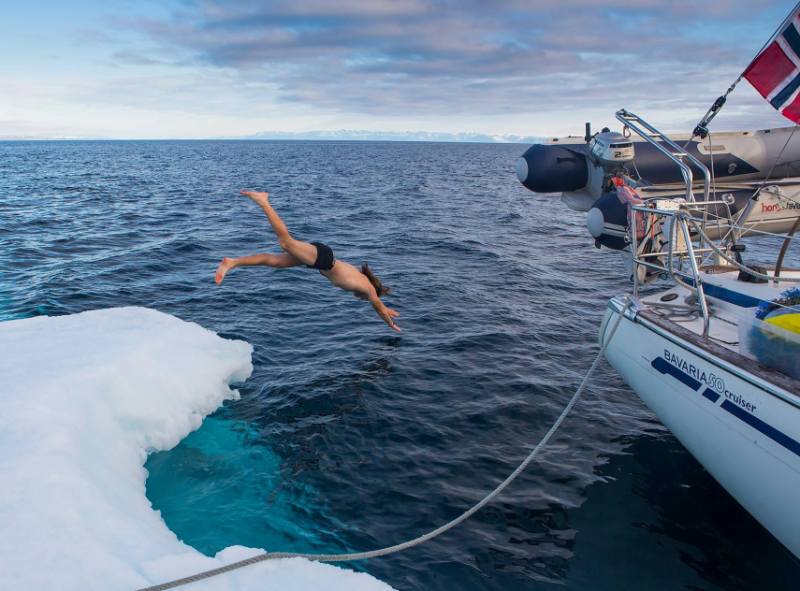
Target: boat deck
730,301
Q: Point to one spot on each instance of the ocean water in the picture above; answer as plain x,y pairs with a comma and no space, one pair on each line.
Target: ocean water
349,436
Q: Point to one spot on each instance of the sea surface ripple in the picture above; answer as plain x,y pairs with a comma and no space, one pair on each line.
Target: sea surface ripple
349,436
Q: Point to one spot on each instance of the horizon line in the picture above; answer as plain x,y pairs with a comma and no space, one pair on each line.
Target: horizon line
234,139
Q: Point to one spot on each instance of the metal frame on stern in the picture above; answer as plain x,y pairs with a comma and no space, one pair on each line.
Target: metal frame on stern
679,220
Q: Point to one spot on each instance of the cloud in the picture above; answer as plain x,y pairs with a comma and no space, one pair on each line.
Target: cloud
392,57
130,58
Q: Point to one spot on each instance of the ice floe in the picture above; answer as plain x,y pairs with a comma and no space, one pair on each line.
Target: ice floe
84,398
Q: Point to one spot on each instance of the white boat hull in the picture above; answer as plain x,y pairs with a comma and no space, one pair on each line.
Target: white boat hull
743,430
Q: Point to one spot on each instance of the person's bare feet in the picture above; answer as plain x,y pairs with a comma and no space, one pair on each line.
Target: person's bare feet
225,265
257,196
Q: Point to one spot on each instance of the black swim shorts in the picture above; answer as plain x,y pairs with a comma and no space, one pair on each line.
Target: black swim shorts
325,260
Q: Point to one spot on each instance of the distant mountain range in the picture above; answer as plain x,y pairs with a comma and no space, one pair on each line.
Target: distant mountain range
48,138
337,135
390,136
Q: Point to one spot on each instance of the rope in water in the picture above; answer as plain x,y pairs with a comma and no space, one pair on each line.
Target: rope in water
423,538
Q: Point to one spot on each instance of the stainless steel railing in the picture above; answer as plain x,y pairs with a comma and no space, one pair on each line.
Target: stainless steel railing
679,156
670,149
664,261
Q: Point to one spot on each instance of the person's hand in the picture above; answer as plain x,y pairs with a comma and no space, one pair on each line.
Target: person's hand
388,316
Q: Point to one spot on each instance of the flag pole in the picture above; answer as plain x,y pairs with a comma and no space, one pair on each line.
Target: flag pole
776,33
701,129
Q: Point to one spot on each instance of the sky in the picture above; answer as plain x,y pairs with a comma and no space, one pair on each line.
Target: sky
214,68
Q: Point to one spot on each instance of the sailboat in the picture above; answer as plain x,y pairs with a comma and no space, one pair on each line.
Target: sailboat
708,340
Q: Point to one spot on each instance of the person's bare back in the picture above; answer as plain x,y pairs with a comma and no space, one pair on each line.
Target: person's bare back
363,284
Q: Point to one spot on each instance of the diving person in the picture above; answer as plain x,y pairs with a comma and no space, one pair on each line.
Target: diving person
314,255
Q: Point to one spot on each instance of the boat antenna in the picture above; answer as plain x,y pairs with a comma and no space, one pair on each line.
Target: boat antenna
701,130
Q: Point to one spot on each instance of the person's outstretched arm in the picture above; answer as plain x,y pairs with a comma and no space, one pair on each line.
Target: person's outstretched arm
387,314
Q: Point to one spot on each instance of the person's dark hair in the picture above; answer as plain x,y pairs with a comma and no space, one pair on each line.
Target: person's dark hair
373,279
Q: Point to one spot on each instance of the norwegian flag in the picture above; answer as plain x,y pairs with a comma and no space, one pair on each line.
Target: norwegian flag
775,73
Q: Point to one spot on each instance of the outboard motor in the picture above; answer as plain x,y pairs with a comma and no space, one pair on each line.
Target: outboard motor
611,150
609,217
609,153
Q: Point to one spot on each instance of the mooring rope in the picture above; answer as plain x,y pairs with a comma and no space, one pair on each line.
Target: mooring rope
423,538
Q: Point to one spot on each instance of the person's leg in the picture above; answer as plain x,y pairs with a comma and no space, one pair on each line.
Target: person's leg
268,260
305,252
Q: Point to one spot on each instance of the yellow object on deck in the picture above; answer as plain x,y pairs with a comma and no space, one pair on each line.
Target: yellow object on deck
787,321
